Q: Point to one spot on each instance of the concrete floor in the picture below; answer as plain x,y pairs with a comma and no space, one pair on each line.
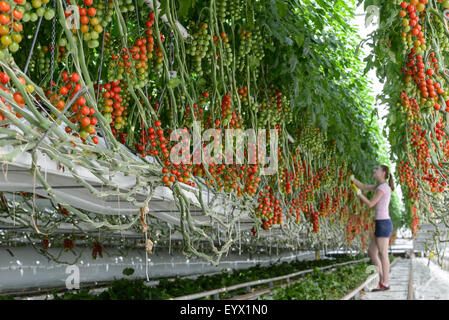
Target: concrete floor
399,278
430,282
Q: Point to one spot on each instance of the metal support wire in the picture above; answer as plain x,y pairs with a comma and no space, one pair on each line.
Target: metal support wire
138,19
33,44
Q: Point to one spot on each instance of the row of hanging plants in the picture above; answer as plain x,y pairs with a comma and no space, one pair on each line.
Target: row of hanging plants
289,66
410,55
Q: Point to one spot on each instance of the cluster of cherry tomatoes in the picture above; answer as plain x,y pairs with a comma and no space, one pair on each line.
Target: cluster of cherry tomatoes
10,26
423,78
411,27
269,208
415,220
113,104
6,86
407,177
410,106
295,209
81,114
197,114
91,27
229,116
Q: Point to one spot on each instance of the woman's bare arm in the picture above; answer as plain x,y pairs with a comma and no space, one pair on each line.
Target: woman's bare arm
363,186
372,203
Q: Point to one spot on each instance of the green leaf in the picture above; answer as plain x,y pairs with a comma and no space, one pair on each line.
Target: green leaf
299,38
184,7
282,8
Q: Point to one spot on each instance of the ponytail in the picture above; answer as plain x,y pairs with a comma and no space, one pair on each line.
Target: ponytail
390,182
388,176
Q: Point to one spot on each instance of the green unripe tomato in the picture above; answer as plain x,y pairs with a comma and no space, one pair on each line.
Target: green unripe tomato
94,35
26,17
34,17
16,37
84,134
49,14
13,47
40,12
93,44
36,4
6,40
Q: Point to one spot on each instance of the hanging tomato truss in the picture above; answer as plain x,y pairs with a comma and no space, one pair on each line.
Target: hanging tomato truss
87,112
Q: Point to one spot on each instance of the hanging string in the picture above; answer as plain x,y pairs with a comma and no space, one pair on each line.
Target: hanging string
146,259
169,239
218,234
5,172
52,61
14,207
148,243
34,201
240,240
45,165
100,66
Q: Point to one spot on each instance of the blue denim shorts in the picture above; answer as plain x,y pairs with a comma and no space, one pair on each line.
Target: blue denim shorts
384,228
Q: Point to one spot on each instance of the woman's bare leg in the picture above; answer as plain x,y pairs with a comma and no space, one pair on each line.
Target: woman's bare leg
382,245
373,253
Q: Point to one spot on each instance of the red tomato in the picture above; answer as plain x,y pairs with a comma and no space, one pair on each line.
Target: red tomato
91,11
4,78
85,121
18,97
81,101
85,110
4,6
77,88
63,90
17,14
75,77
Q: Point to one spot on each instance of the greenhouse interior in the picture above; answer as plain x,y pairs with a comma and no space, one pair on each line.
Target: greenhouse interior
224,150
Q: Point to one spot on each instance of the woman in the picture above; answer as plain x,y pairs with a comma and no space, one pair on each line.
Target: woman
384,226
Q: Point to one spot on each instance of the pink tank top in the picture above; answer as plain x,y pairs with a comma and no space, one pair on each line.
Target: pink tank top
381,208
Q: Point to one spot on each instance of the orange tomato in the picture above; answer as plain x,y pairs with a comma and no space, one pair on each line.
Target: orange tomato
4,6
17,14
4,30
4,19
